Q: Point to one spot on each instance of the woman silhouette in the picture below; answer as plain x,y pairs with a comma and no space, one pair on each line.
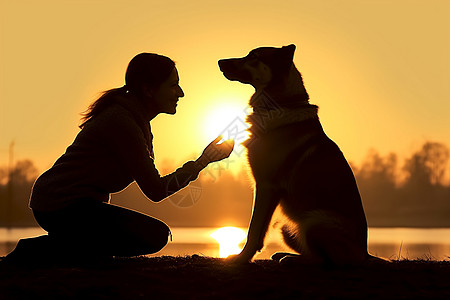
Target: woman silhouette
113,149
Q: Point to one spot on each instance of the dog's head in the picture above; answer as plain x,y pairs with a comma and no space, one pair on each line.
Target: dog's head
261,68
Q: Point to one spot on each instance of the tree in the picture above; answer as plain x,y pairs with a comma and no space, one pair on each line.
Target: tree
377,182
382,171
15,189
428,165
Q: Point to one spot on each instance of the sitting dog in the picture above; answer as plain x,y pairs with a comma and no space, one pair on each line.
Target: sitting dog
295,165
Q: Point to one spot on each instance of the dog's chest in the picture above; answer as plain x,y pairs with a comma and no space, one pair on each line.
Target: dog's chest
268,155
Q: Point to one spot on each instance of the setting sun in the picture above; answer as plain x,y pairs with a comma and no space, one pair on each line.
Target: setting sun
227,119
229,239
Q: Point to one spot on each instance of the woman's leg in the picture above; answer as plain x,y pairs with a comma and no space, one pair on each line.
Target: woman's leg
100,229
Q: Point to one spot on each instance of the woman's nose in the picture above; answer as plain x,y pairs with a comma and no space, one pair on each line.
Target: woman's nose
180,92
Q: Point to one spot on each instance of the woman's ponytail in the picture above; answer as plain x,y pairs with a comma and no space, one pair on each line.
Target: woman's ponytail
145,69
105,100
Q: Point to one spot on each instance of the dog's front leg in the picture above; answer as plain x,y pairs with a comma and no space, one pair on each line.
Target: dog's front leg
266,200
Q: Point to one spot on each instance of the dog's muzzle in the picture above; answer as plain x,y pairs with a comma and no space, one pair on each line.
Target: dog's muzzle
233,69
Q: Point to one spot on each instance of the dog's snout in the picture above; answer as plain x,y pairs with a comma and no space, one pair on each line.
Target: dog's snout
233,69
221,62
225,65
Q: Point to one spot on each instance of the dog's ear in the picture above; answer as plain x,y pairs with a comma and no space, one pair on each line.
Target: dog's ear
288,52
284,59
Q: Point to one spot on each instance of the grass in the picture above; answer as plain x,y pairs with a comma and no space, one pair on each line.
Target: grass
198,277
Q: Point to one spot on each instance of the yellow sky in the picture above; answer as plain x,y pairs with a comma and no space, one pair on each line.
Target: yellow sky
379,70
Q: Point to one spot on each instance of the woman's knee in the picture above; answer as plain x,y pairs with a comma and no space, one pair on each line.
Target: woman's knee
163,235
158,238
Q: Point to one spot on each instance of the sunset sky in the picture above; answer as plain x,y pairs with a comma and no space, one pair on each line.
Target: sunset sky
378,70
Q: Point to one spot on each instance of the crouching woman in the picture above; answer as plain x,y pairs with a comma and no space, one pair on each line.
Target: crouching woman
113,149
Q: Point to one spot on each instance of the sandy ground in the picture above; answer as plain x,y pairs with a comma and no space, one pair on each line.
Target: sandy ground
198,277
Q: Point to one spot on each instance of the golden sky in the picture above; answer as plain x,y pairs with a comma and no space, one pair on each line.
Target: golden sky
379,70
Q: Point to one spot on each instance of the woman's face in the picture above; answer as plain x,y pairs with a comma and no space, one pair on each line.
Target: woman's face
165,97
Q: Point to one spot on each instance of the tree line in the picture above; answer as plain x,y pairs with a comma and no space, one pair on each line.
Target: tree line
416,193
412,193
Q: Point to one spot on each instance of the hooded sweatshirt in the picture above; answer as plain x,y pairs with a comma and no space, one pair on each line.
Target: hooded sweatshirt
112,150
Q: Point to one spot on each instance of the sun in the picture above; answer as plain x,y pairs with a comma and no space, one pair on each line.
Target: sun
229,239
228,120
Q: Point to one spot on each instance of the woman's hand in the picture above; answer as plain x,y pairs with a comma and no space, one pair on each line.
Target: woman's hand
215,152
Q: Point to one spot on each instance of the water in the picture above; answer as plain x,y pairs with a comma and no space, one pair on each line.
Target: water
391,243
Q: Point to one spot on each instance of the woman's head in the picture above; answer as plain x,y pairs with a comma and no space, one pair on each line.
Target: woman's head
154,79
147,70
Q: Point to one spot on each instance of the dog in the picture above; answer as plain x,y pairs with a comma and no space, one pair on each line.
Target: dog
297,167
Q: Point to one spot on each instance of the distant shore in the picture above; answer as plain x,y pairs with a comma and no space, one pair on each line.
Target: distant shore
391,243
198,277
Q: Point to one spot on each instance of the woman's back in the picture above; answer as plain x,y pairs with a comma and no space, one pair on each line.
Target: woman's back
99,160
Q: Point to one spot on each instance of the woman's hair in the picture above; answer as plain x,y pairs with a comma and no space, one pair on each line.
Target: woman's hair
147,69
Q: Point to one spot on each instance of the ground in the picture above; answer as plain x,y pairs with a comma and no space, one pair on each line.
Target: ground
198,277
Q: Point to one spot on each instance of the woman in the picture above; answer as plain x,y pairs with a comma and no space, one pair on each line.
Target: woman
113,149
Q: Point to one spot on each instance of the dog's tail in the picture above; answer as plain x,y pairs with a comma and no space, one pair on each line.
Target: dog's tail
371,259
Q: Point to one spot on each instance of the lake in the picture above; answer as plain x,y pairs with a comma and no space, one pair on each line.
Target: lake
391,243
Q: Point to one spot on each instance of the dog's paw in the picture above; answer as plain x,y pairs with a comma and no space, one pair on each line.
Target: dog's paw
301,260
280,255
238,259
286,258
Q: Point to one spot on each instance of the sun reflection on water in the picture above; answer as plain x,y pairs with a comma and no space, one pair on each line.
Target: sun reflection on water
229,239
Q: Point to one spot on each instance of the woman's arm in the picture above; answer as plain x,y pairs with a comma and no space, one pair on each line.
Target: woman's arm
132,149
157,188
